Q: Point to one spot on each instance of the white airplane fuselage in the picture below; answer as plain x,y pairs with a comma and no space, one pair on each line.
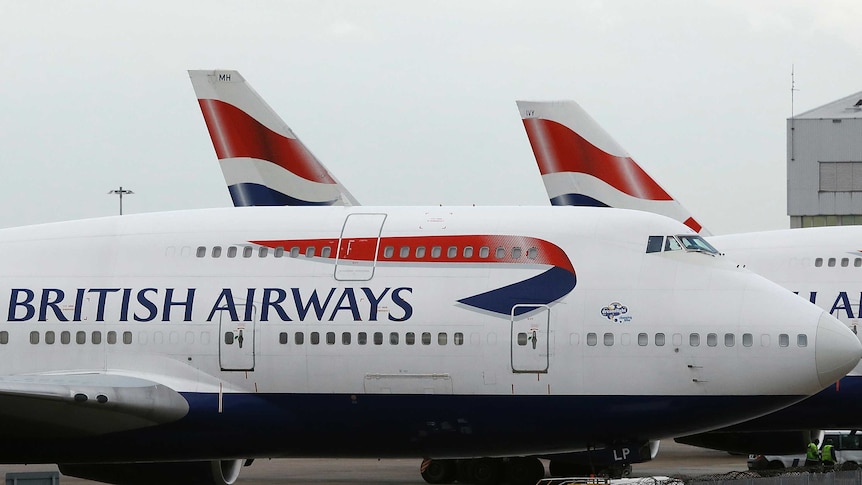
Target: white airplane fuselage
436,332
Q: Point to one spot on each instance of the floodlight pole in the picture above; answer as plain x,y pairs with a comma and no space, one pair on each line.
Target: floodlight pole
121,191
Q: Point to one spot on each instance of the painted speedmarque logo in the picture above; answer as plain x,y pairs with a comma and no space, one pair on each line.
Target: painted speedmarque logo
616,312
542,289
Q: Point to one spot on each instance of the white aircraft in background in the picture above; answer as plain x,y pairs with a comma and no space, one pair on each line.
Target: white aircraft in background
581,164
263,162
172,347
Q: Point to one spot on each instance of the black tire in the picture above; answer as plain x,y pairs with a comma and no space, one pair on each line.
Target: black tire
849,465
524,471
775,465
439,471
487,471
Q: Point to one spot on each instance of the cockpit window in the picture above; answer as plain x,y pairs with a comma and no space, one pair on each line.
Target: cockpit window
671,244
654,244
696,243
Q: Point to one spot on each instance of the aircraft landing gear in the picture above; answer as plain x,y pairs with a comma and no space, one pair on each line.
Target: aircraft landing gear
484,471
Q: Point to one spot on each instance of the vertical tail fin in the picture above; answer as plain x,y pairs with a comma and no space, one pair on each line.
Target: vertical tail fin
263,162
582,165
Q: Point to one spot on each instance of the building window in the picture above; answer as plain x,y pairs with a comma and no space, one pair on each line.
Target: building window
840,176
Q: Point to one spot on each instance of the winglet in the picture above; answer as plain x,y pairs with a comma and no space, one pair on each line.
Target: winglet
581,164
262,160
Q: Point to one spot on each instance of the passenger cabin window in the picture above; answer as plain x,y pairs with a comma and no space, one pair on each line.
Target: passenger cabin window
299,338
747,340
378,338
532,253
711,339
279,252
500,253
643,339
330,338
345,338
484,252
783,340
49,337
818,262
442,338
388,251
592,339
404,252
654,244
729,340
659,339
201,251
282,338
426,338
315,338
802,340
831,262
608,339
231,252
435,251
694,339
468,251
362,338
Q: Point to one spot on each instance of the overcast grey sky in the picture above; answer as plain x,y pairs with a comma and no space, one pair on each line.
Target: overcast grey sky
412,103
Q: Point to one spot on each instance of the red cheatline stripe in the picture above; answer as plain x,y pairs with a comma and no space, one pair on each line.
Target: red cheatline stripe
236,134
559,149
362,249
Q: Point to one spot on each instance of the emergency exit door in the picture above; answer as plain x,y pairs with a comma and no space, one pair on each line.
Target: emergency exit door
236,339
357,247
530,338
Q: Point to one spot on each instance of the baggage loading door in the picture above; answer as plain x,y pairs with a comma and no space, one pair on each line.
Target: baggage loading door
530,339
357,247
236,340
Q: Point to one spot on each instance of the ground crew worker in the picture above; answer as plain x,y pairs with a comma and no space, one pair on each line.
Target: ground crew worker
812,456
828,455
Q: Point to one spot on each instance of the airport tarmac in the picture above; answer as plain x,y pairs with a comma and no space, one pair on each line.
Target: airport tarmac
673,460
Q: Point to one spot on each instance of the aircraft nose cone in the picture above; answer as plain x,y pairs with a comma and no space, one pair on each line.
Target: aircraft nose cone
837,350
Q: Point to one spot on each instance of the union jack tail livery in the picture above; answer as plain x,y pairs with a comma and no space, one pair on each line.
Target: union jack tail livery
582,165
263,162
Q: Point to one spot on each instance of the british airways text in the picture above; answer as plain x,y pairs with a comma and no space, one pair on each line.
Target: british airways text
167,304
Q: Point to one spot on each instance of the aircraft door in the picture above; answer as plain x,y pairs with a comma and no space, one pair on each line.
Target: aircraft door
530,338
357,247
236,340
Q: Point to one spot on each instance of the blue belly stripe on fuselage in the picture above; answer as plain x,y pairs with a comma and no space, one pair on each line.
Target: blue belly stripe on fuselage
392,425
